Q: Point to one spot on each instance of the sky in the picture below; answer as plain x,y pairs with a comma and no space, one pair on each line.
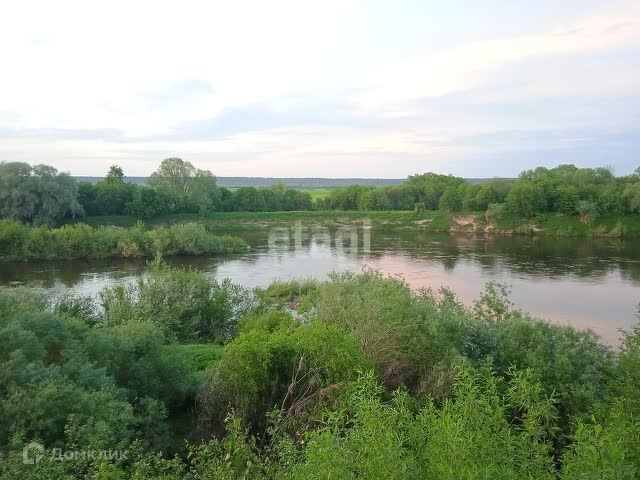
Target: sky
331,88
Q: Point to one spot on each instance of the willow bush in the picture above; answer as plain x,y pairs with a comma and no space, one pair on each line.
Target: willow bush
23,242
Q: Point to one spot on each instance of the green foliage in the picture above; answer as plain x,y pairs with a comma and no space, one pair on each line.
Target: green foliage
184,304
74,306
486,196
371,380
147,202
566,199
203,356
133,355
394,327
496,212
21,242
631,196
525,199
37,194
184,188
451,200
290,367
588,211
41,195
470,436
112,196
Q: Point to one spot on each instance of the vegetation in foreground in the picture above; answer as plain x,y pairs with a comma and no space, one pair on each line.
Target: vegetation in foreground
23,242
356,377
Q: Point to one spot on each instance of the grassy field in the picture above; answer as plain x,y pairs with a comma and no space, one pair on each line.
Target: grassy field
316,193
433,221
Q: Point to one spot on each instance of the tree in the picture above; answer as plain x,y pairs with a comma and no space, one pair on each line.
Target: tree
249,199
374,199
147,202
525,199
345,198
566,198
429,187
451,200
112,198
631,195
486,196
37,194
610,201
87,194
187,185
115,175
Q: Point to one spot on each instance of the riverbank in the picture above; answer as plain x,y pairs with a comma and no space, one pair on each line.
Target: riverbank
79,241
619,226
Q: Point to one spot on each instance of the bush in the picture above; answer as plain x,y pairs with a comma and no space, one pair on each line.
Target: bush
185,305
291,368
495,212
588,212
20,242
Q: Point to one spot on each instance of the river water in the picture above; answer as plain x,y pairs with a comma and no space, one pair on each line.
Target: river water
588,283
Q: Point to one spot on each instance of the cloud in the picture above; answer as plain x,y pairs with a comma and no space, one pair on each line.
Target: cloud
475,64
336,88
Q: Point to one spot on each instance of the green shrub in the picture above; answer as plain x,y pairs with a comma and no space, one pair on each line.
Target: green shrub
186,305
290,368
19,242
495,212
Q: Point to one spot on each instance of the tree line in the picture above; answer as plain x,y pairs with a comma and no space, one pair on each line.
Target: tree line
566,189
354,377
39,194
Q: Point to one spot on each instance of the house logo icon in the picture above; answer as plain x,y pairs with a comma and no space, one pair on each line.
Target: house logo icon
32,453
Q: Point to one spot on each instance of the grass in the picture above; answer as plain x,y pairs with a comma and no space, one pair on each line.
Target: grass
549,224
203,355
317,193
223,222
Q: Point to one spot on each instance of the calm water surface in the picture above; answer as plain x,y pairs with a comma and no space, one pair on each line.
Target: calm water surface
588,283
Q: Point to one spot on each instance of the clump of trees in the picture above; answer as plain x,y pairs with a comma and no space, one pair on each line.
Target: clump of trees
566,189
37,194
364,378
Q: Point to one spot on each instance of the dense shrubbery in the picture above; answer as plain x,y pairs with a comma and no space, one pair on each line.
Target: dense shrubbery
185,305
362,378
22,242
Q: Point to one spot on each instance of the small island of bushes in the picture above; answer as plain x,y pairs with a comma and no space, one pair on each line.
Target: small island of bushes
23,242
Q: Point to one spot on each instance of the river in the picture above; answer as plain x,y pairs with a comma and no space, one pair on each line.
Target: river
587,283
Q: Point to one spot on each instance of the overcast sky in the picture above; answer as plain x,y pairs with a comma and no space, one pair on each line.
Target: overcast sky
326,88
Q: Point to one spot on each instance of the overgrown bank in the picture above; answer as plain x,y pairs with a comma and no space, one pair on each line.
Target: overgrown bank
618,226
23,242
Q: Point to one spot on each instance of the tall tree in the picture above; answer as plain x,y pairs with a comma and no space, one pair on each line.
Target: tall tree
37,194
185,183
115,175
112,193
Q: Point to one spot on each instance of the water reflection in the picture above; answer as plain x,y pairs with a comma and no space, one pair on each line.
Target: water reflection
589,283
